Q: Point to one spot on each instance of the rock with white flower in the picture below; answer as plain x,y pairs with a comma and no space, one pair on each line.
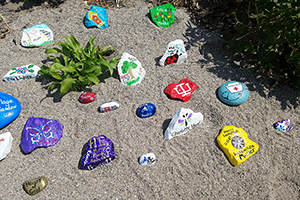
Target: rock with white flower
5,144
184,120
130,70
22,73
174,54
37,35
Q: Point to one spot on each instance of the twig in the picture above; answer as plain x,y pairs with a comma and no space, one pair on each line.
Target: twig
3,36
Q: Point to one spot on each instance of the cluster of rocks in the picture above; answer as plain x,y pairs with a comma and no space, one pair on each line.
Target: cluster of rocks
42,132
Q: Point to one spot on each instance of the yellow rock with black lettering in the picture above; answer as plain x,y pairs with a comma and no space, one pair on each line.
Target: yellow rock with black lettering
35,185
236,145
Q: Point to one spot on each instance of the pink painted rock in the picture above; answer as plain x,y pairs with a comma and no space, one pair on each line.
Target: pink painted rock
87,97
182,90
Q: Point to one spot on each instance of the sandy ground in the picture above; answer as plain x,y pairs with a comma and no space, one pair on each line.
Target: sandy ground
191,166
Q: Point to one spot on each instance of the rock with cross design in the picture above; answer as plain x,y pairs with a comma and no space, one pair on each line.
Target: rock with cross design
233,93
182,90
184,120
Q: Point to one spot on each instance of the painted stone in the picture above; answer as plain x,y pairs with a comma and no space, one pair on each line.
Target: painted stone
146,110
175,53
236,144
184,120
35,185
147,159
40,132
163,15
109,106
87,97
130,70
99,150
233,93
5,144
96,17
10,109
182,90
37,35
21,73
284,125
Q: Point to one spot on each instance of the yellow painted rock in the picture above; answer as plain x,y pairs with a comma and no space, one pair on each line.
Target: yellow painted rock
236,144
34,186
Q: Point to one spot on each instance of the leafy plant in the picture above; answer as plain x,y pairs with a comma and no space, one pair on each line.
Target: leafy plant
80,66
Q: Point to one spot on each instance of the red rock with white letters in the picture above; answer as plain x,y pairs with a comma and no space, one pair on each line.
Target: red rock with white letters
182,90
87,97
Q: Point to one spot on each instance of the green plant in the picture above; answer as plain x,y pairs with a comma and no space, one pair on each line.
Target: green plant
269,30
80,66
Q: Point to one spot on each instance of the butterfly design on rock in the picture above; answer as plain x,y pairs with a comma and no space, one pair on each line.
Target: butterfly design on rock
37,133
185,120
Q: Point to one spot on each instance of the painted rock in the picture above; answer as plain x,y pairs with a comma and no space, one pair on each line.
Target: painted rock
35,185
174,54
284,125
163,15
233,93
87,97
182,90
146,110
236,144
130,70
5,144
99,150
147,159
184,120
37,35
10,109
21,73
96,17
40,132
109,106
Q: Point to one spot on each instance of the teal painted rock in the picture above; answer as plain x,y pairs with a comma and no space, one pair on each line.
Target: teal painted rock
163,15
10,109
233,93
96,17
37,35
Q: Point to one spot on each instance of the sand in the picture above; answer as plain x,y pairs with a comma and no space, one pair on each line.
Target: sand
191,166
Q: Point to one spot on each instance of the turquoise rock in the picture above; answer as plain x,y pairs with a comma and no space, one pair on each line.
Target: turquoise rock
163,15
96,17
10,109
233,93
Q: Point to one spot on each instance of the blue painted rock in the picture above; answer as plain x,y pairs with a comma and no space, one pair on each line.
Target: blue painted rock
233,93
146,110
87,97
37,35
96,17
40,132
284,125
10,109
147,159
99,150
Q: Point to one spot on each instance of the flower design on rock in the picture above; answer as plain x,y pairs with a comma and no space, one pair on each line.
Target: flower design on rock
22,70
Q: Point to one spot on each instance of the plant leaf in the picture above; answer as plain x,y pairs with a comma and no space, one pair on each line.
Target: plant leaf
66,85
93,78
53,50
55,75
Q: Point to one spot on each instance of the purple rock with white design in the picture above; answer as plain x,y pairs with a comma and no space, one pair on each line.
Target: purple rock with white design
147,159
99,150
21,73
284,125
40,132
184,120
5,144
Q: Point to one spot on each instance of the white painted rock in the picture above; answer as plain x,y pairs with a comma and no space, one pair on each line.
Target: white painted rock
175,53
130,70
147,159
5,144
37,35
109,106
21,73
184,120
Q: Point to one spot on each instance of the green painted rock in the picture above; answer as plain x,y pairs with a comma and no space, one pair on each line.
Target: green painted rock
163,15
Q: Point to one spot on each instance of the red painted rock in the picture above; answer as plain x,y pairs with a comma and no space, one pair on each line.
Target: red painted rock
87,97
182,90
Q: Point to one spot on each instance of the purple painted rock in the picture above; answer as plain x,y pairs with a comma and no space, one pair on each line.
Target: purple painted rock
40,132
284,125
87,97
99,150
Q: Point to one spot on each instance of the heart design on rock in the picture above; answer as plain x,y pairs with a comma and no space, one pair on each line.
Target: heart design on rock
182,90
